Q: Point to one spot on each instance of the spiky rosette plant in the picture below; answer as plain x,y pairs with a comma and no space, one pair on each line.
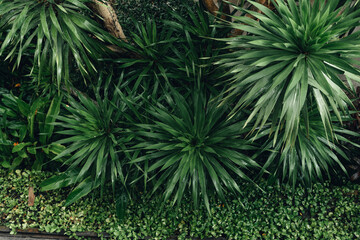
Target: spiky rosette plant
147,71
297,51
54,33
95,133
191,148
312,158
287,65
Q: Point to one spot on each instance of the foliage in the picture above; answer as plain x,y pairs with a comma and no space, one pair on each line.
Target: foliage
289,57
26,129
92,157
142,10
180,53
55,33
312,158
326,212
196,49
147,70
289,60
96,136
189,146
197,104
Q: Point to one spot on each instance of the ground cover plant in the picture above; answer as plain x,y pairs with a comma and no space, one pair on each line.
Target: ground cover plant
193,109
326,212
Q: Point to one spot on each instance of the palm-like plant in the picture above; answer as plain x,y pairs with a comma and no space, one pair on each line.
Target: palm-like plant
97,135
196,50
192,148
288,56
312,158
55,32
150,50
180,53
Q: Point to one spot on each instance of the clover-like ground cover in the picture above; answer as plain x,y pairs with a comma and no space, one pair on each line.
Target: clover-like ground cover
325,212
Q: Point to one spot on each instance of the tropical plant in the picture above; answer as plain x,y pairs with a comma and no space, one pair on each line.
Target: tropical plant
27,130
196,48
288,60
149,53
5,150
55,33
313,157
288,56
96,137
181,52
191,147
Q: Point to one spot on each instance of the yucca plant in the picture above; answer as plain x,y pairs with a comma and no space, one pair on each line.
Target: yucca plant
287,65
150,50
194,53
312,158
191,148
289,55
55,33
95,133
178,54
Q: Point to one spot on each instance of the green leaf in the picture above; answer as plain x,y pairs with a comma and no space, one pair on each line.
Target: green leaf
121,204
59,181
80,191
20,146
31,150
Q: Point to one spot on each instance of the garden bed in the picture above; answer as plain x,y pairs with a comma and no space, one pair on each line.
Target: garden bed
326,212
35,233
179,122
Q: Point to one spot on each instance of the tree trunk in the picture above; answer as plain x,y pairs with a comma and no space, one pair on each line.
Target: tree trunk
111,22
214,9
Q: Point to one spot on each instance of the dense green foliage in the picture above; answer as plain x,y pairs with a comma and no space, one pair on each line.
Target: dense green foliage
194,148
21,127
54,33
287,69
97,141
139,11
183,112
325,212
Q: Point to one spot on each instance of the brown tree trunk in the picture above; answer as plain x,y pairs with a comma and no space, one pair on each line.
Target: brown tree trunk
111,22
214,9
210,6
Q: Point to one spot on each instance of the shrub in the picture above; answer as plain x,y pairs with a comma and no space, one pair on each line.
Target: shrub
190,147
55,33
290,59
284,70
26,130
97,132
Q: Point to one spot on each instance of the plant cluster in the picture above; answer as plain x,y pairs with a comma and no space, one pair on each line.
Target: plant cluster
139,11
21,127
325,212
184,111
